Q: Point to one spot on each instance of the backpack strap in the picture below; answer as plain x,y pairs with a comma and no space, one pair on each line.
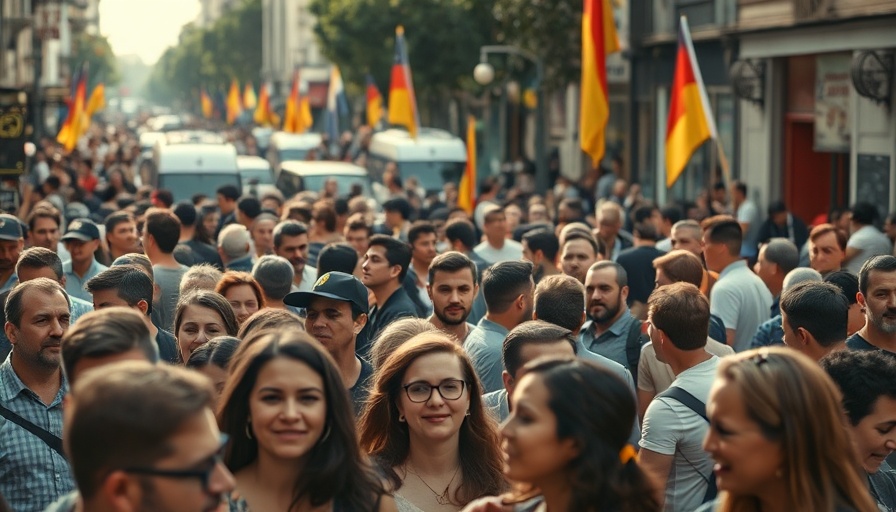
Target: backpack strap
686,399
47,437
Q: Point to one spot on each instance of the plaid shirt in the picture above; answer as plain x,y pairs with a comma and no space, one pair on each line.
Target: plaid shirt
32,475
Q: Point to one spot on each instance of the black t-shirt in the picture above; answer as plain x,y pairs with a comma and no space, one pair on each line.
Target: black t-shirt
638,264
856,342
361,389
202,253
398,305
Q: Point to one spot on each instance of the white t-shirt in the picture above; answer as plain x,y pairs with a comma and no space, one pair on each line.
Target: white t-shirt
512,250
671,428
870,242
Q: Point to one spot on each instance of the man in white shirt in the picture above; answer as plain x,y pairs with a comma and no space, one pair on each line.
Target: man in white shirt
866,240
496,247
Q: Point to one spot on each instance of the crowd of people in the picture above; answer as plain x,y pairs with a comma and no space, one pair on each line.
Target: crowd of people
581,350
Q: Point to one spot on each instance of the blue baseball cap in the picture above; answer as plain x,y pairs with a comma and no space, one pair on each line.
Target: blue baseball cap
333,285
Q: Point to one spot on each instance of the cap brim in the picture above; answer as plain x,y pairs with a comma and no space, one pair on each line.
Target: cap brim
10,238
77,236
303,299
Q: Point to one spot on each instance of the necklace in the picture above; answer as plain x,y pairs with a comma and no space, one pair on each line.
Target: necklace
443,498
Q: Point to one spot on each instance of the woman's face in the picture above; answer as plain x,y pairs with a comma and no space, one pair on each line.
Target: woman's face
437,418
198,325
532,451
243,300
287,409
210,222
747,463
875,434
217,375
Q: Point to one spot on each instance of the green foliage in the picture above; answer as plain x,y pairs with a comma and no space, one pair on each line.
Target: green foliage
443,37
96,52
210,57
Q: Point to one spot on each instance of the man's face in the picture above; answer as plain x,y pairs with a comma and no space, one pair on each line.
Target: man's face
226,205
608,226
330,322
263,235
37,339
424,249
357,239
109,298
495,225
393,219
880,301
123,237
714,255
688,240
452,295
45,233
9,253
513,214
528,255
655,335
376,270
825,254
765,269
577,257
195,447
538,213
791,336
294,249
875,434
605,297
81,251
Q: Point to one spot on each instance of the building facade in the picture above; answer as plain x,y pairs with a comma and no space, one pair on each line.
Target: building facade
289,43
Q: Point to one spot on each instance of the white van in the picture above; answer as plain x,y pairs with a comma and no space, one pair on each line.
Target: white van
436,157
284,146
189,169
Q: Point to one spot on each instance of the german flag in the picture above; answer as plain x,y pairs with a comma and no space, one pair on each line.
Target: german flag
205,101
402,102
690,117
291,116
234,102
374,103
466,193
73,127
599,39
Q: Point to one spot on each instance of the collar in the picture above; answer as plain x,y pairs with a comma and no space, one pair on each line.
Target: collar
488,325
11,385
733,267
617,328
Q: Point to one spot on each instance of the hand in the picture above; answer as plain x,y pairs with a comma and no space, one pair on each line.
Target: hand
490,504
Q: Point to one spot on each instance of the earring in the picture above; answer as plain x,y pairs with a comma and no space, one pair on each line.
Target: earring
249,429
467,413
401,418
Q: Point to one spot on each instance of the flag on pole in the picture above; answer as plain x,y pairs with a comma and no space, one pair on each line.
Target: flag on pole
336,103
374,103
291,116
599,39
306,121
73,126
690,116
250,101
205,102
466,193
402,102
97,100
260,116
234,102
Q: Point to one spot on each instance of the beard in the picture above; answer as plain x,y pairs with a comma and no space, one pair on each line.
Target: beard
445,319
609,311
885,321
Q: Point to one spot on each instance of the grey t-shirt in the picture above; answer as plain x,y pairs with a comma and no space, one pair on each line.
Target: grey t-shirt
168,280
742,301
870,242
671,428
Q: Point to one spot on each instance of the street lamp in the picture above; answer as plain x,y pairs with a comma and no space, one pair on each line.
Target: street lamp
484,74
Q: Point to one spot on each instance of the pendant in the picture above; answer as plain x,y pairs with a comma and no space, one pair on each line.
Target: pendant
443,499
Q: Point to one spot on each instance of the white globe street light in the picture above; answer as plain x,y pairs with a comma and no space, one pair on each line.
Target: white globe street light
483,73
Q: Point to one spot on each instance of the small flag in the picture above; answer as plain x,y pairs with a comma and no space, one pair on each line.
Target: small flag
690,117
466,193
73,127
599,39
250,101
291,116
205,102
336,103
260,116
374,103
402,102
234,103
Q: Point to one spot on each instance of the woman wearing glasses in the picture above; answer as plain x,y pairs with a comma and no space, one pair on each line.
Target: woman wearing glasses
780,438
426,427
292,428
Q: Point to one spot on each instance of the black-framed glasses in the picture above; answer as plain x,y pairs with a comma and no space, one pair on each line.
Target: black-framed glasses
204,475
421,391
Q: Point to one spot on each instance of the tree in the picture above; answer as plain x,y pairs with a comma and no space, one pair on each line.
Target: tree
96,52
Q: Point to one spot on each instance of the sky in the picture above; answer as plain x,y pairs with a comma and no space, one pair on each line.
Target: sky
145,27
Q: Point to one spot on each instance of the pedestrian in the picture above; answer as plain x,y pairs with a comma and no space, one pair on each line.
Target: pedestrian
877,297
213,359
496,246
848,283
243,293
234,248
12,242
161,231
395,335
814,317
82,239
383,272
291,242
199,317
827,248
294,444
453,286
865,240
274,275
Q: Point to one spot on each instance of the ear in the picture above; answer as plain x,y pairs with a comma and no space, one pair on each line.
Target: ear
804,336
143,306
860,298
624,292
508,382
429,291
360,322
119,490
395,271
10,331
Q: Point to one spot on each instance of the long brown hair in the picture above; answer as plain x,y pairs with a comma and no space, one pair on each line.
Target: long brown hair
387,440
336,467
795,403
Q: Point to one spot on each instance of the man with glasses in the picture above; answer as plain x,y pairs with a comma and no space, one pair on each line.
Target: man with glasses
144,437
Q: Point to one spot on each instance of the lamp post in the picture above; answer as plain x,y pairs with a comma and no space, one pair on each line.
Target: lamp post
484,74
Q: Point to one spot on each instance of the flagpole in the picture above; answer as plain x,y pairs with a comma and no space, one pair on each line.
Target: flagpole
723,161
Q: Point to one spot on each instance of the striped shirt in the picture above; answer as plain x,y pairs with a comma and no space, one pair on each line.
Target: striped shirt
32,475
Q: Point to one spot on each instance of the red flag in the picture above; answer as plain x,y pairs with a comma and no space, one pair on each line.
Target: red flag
598,40
402,102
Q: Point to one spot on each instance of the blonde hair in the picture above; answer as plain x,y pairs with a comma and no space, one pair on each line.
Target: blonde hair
795,403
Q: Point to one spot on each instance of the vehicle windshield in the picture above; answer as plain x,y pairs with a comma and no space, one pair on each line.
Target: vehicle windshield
184,186
292,154
262,176
432,175
343,182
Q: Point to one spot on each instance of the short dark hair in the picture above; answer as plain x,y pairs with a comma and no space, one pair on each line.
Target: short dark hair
503,282
288,228
645,231
865,213
560,300
418,228
106,332
129,282
43,211
338,257
543,240
724,229
682,312
819,308
461,230
863,376
217,352
823,229
186,212
250,206
164,227
14,307
582,235
116,218
881,263
356,222
847,282
400,205
397,252
324,213
531,332
40,257
671,213
163,196
452,261
740,187
229,191
621,274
